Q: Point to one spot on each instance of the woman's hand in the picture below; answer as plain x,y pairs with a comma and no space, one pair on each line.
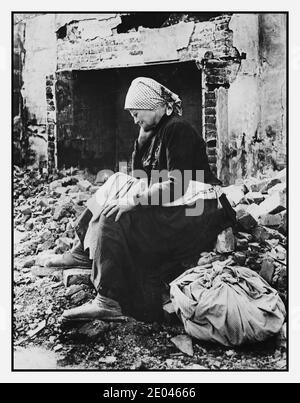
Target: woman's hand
144,136
120,206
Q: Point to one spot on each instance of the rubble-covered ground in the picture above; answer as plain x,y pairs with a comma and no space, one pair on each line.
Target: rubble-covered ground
45,209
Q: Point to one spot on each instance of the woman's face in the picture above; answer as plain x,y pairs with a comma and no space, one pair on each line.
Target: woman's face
147,119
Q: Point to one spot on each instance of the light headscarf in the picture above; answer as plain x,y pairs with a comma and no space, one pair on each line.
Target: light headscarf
146,93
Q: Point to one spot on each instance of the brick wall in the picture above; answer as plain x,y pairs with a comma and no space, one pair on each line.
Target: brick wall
74,52
51,122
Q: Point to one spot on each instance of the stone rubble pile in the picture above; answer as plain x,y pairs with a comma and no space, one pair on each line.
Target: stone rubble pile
45,211
49,210
259,239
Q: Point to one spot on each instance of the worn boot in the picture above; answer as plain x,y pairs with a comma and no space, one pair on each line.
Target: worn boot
76,258
101,307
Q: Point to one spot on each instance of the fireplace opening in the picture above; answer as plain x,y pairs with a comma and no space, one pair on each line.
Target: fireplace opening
93,129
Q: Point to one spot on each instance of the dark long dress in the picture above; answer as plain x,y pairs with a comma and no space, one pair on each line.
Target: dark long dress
148,244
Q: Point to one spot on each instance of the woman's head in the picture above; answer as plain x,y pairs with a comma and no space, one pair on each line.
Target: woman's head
147,119
147,101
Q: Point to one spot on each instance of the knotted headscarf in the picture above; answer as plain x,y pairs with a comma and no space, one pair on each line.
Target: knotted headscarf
146,93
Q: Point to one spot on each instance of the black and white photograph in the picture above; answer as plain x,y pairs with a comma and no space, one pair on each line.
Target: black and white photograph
150,192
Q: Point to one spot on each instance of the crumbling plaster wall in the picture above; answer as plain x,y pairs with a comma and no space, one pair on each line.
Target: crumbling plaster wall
40,61
252,138
272,45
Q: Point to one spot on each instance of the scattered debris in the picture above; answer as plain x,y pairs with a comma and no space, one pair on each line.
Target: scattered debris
184,343
37,329
58,347
108,360
92,330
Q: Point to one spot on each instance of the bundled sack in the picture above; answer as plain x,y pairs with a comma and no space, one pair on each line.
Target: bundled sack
228,305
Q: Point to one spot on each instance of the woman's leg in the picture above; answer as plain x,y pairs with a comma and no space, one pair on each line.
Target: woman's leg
130,252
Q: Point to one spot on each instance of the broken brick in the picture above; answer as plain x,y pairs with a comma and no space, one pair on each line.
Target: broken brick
234,194
184,343
283,226
69,181
254,210
45,235
271,220
76,276
64,244
241,244
49,244
73,189
43,203
73,289
208,259
25,210
273,204
82,198
53,185
255,185
60,190
94,329
281,187
29,225
245,219
281,175
281,252
267,270
62,211
244,235
260,234
240,258
225,241
269,185
282,280
78,297
39,271
255,197
29,262
84,185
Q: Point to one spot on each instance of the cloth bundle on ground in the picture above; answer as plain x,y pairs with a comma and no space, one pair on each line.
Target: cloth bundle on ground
228,305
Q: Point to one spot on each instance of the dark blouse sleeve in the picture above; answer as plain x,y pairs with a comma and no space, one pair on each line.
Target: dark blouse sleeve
179,141
182,141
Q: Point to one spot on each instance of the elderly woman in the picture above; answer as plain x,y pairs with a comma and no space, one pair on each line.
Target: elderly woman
138,225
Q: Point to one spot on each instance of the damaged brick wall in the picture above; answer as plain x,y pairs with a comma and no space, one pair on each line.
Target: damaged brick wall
20,143
86,47
51,123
